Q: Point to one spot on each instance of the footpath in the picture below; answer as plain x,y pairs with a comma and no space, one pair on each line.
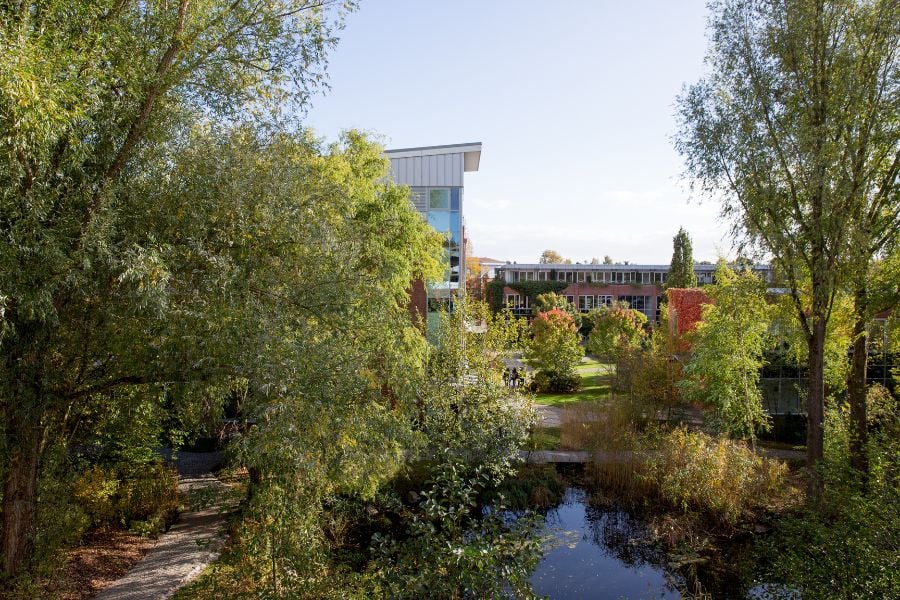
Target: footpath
190,545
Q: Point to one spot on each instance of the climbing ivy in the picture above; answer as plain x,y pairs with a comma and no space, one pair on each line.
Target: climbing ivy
493,293
532,289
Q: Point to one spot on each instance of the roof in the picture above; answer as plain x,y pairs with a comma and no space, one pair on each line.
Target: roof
470,150
589,267
489,261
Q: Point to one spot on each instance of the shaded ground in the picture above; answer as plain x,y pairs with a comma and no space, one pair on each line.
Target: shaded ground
105,556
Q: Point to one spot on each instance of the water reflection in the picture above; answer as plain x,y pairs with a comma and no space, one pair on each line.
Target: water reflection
596,553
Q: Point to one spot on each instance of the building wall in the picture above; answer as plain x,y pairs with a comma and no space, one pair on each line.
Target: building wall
435,170
434,175
612,293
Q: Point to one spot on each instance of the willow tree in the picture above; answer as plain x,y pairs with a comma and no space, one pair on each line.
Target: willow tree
794,129
95,97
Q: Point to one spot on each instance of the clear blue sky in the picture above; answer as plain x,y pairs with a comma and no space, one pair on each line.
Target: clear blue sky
574,102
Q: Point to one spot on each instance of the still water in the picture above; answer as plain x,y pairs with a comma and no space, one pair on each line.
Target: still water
596,553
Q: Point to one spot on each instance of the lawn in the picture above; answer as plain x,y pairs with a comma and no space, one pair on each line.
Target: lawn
596,377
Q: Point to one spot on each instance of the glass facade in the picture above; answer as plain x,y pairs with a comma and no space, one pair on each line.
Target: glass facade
442,212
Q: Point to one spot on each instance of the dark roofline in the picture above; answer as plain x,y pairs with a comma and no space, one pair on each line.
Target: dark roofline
442,147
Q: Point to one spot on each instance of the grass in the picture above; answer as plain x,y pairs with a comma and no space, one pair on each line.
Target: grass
544,438
596,377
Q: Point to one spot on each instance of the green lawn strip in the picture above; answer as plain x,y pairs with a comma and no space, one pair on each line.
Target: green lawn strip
595,386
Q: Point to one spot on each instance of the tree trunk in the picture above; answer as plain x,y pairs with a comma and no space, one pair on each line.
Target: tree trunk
20,492
856,388
815,410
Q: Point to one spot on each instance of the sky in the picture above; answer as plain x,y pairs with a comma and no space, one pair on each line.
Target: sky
573,101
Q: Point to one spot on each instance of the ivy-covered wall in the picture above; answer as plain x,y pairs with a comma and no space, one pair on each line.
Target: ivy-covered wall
531,289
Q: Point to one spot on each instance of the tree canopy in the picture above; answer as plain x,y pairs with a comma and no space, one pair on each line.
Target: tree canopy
551,257
681,268
794,129
727,352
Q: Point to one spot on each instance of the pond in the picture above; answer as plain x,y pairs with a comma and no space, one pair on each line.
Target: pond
599,553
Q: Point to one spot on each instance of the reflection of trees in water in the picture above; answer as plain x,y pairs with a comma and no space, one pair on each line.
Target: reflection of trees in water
627,538
624,537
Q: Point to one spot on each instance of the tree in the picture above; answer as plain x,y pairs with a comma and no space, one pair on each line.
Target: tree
554,347
552,257
727,352
795,130
548,301
616,330
595,261
681,269
607,259
124,263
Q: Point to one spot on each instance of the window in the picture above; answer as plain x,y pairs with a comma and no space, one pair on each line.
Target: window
419,200
439,220
585,303
439,199
542,275
512,301
604,300
580,276
570,300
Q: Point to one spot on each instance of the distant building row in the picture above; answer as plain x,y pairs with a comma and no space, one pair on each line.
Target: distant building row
590,286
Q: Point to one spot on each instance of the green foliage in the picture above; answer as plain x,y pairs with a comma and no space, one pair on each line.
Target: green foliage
791,343
452,548
550,300
552,257
553,382
724,479
466,409
794,129
616,330
494,294
845,546
533,289
145,499
681,269
727,352
554,348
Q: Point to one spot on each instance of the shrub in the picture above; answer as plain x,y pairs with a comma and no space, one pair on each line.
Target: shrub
549,381
95,491
149,499
694,472
845,545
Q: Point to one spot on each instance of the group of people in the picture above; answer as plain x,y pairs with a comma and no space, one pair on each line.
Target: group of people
514,378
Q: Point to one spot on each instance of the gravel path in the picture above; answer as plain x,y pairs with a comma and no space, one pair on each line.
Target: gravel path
190,545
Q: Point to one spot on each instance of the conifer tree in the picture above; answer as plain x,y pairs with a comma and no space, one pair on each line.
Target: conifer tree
681,271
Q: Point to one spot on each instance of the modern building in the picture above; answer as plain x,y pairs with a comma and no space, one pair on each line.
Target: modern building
435,176
589,286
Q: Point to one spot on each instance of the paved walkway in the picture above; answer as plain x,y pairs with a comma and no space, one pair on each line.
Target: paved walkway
189,546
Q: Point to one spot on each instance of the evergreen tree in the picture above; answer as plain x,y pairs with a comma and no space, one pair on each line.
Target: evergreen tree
681,271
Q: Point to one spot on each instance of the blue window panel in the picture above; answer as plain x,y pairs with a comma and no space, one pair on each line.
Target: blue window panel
454,199
439,199
439,220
